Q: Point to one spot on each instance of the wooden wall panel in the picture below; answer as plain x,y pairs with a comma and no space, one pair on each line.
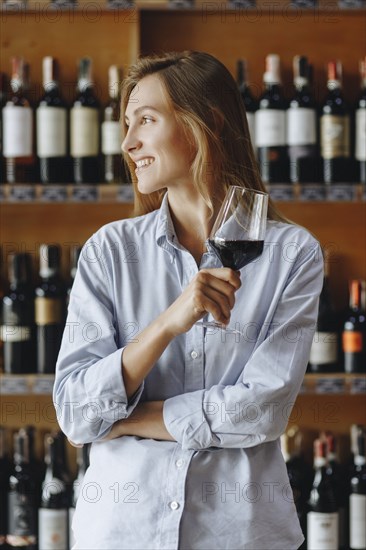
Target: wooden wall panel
23,227
321,35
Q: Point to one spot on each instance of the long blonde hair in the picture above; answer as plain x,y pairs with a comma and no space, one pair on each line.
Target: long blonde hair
206,101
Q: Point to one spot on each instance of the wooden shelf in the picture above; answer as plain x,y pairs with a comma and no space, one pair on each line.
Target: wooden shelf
26,193
213,6
38,193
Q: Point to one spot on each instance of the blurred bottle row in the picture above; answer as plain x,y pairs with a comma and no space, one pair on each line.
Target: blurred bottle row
298,140
339,343
38,497
33,318
330,497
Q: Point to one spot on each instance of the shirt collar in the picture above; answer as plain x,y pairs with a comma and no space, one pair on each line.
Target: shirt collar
165,233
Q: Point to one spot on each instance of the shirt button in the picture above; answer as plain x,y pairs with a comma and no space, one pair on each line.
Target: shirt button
194,354
174,505
179,463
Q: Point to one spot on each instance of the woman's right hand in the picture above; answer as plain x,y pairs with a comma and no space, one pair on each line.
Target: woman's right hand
210,291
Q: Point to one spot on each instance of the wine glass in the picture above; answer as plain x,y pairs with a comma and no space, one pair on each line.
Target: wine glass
237,235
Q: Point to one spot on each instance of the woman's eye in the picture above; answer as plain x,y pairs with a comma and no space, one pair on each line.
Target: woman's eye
146,119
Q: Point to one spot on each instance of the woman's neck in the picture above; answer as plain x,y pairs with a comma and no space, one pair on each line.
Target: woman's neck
192,221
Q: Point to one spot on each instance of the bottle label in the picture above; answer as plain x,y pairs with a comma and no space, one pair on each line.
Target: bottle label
22,519
48,311
17,132
322,531
84,132
334,136
251,124
53,529
72,540
270,127
352,341
324,348
360,151
111,138
12,333
357,515
51,132
301,126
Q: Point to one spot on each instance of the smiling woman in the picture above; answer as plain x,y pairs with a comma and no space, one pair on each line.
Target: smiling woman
187,418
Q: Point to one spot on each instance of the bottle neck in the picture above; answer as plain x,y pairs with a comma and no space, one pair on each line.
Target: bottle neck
320,463
85,85
301,83
359,460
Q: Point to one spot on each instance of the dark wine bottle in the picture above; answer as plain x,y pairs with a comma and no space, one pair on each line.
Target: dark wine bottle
4,478
52,128
338,478
82,460
250,103
3,96
18,328
302,127
18,127
299,472
360,146
357,502
335,129
84,130
324,349
53,512
270,126
36,465
114,171
49,308
323,517
354,332
22,500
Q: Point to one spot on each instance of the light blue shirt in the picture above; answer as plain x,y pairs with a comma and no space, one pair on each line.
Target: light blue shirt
228,397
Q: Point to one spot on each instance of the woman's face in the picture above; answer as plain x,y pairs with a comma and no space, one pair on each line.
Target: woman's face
155,141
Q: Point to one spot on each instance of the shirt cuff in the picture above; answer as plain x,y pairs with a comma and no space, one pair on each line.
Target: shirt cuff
186,421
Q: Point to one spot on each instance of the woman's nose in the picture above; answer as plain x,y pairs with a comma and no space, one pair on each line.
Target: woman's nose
130,141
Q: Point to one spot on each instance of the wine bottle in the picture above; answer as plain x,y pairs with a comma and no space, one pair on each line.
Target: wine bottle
302,127
354,332
357,499
360,147
322,518
335,129
82,460
18,328
324,349
299,472
3,89
22,506
4,477
338,479
18,147
84,130
53,513
52,128
49,308
114,171
36,465
270,126
250,103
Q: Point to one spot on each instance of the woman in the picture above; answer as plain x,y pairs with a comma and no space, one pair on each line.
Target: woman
185,421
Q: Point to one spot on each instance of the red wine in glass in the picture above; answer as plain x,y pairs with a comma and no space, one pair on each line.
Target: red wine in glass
236,254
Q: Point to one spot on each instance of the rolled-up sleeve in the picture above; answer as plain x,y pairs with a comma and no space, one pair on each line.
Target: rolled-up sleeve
89,394
256,409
